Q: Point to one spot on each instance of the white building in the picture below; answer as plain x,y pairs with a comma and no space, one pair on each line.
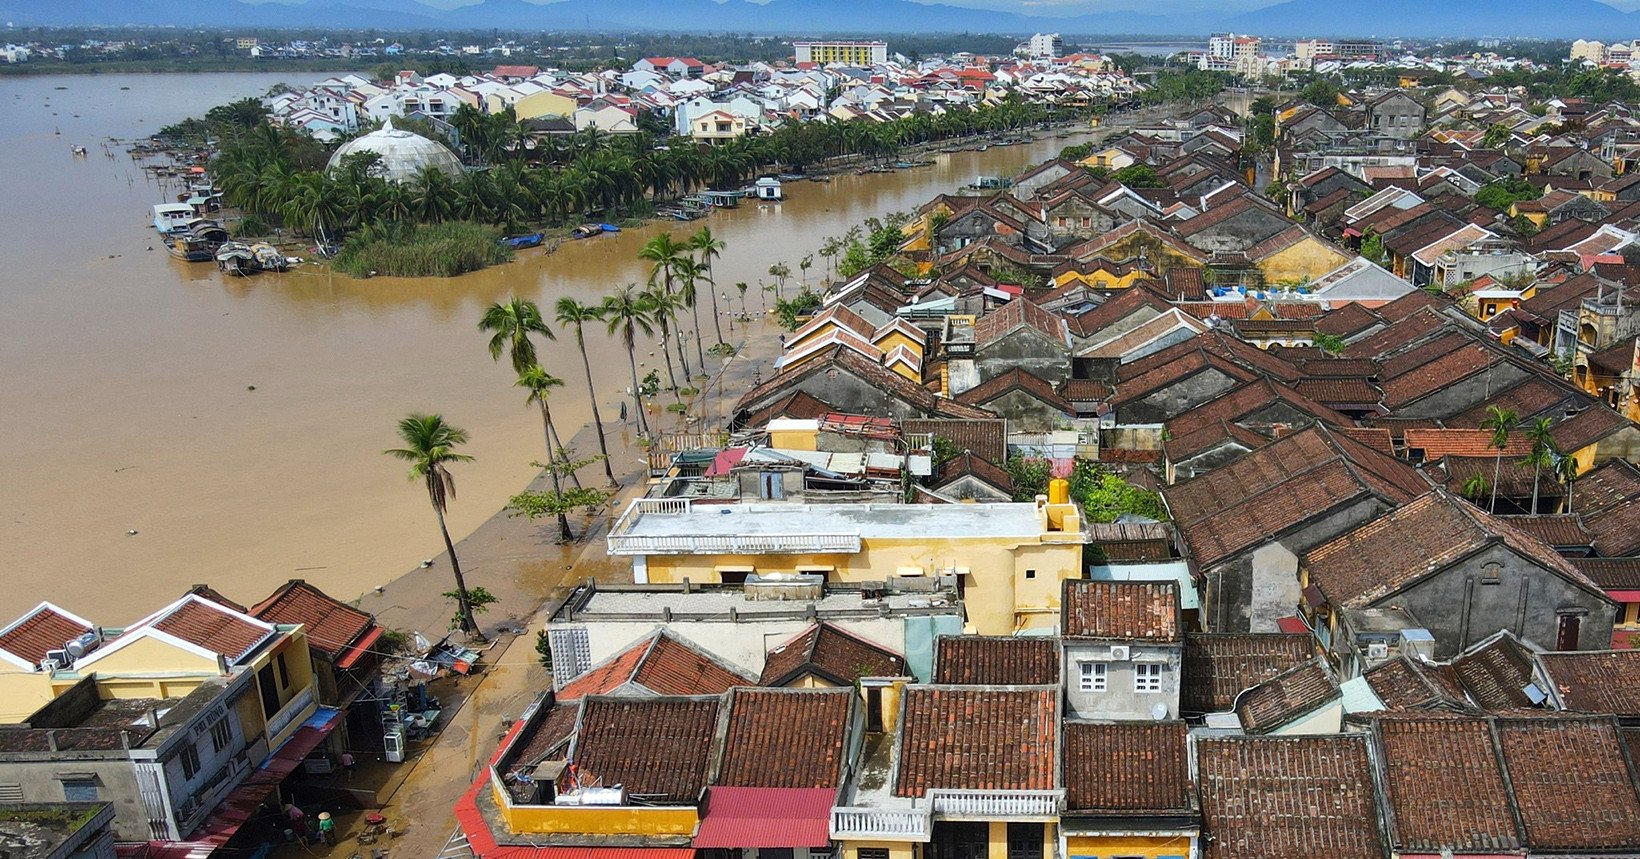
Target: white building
1593,51
1043,46
847,53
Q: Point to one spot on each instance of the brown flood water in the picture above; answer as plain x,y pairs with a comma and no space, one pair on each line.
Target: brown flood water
124,373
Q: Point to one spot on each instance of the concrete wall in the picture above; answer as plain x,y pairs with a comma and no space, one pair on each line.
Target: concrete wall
1463,394
116,783
1327,719
1460,610
1237,585
743,644
1167,403
1119,700
1026,413
1027,349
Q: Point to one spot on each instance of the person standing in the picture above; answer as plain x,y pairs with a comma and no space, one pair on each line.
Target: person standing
347,765
327,828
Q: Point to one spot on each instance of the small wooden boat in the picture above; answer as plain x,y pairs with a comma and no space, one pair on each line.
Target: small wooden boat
197,242
528,240
585,231
609,228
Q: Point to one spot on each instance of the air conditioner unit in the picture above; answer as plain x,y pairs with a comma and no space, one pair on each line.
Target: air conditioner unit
1119,651
49,665
58,659
1378,650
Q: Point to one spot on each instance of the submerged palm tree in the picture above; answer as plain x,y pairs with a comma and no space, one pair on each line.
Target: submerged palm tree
662,309
625,313
690,274
709,247
512,324
540,384
573,314
1499,421
430,448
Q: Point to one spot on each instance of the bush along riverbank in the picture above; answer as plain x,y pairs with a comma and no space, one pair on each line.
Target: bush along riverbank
421,250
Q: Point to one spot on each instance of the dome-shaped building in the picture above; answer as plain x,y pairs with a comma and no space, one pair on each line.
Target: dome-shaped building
403,153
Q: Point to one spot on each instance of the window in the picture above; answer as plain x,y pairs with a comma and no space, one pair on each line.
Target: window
11,793
1093,676
79,790
1030,574
190,761
284,671
221,735
873,852
1147,677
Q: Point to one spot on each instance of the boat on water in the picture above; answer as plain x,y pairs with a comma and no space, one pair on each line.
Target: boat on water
198,241
528,240
172,217
585,231
609,228
768,189
247,259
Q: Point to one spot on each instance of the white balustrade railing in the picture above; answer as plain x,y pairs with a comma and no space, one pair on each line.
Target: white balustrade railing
997,804
911,823
731,544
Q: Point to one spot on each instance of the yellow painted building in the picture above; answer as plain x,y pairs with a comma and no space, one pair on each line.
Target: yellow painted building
1008,559
1304,260
1099,278
544,103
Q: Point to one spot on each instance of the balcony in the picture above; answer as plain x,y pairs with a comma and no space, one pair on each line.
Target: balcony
912,822
292,714
997,804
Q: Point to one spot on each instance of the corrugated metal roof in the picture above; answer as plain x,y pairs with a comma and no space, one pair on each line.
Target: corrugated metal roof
766,817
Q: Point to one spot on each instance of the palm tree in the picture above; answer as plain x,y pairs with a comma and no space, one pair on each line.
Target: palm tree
513,323
626,313
430,448
1475,487
1544,450
780,271
709,247
689,274
666,254
741,288
540,384
1499,421
662,309
573,314
1566,469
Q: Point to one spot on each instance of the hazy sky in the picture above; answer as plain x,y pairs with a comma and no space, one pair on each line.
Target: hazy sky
1042,7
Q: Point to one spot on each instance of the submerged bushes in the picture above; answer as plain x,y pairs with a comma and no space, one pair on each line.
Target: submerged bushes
421,250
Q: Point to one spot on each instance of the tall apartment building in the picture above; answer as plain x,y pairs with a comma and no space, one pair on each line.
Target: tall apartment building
849,53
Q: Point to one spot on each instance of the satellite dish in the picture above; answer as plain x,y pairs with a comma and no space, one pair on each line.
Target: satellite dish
1158,712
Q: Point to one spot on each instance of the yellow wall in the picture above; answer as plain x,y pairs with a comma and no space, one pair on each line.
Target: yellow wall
1306,260
616,820
542,104
1148,846
1099,279
994,566
23,692
898,338
896,849
793,439
152,656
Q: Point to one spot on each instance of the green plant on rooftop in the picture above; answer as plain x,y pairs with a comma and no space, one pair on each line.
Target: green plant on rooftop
1029,475
1104,496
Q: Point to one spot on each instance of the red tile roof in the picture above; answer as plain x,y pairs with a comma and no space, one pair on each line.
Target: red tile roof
1570,783
1402,684
1444,783
45,628
1127,767
1288,798
1289,695
330,624
1436,443
999,660
789,738
215,628
1136,611
977,738
1220,666
828,652
657,748
985,438
1017,314
660,663
1015,380
1597,681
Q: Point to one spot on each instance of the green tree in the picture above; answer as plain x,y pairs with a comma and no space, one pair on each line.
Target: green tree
540,384
1544,452
800,305
709,247
1321,93
1499,422
1332,344
625,314
477,600
1496,136
1503,193
1137,176
512,324
558,502
1029,475
430,448
1104,496
1372,247
574,315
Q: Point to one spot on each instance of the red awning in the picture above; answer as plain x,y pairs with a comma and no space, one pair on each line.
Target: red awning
612,852
1292,625
241,803
766,817
1624,596
351,656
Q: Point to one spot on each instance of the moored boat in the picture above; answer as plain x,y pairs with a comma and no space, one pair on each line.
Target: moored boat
528,240
197,241
609,228
585,231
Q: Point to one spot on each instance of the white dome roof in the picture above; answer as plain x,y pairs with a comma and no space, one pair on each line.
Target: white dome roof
403,153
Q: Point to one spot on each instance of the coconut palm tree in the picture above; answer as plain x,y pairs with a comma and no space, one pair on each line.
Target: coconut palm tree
512,324
666,254
1544,451
1475,487
709,247
689,275
430,448
573,314
625,313
540,384
1499,421
1566,469
662,309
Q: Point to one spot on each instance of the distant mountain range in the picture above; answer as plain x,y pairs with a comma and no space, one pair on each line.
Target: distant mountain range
1549,19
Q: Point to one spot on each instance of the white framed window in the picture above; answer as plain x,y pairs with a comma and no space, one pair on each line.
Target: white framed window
1094,676
1147,677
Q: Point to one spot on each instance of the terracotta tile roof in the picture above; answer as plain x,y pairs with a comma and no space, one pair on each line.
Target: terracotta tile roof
1443,780
1330,367
1219,666
798,404
968,465
977,738
1559,531
1287,696
1246,399
786,737
331,625
1084,390
1436,443
1406,685
1594,423
1611,574
1127,767
996,660
661,664
828,652
1339,392
1596,681
215,628
1397,336
1438,374
986,438
1513,481
659,749
887,381
1412,543
1496,672
215,596
1015,380
1182,447
1288,798
1124,611
45,628
1347,321
1613,483
1015,314
1570,784
1123,305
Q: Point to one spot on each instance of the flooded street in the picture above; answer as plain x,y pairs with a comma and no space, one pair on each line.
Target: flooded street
126,375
